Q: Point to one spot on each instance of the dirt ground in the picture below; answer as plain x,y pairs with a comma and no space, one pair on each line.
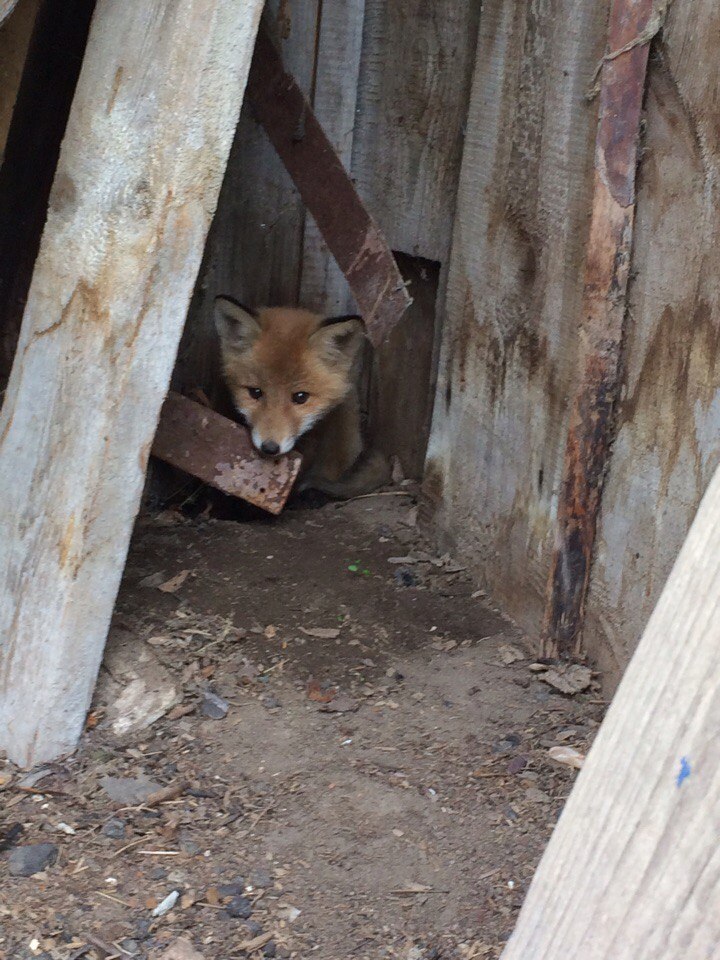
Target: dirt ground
354,745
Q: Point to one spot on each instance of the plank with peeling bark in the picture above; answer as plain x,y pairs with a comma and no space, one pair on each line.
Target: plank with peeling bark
632,871
147,141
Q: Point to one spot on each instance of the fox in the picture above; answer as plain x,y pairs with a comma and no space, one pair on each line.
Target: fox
292,377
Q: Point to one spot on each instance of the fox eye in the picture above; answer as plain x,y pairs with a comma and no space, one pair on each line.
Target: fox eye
300,397
255,392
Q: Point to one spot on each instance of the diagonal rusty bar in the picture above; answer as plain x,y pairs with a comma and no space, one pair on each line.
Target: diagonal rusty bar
352,236
601,325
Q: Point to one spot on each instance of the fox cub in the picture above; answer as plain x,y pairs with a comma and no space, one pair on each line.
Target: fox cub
292,375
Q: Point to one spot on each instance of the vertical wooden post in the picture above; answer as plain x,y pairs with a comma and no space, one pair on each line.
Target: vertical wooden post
632,871
601,324
145,149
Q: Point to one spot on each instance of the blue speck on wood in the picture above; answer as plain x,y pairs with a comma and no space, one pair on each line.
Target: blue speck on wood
684,771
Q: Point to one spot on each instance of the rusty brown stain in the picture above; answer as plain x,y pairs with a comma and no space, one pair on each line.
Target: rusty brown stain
66,542
352,236
117,80
603,309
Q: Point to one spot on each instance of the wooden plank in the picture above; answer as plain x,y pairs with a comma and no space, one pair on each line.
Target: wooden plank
509,351
327,191
255,244
219,452
602,314
54,59
324,287
138,178
414,84
668,435
632,868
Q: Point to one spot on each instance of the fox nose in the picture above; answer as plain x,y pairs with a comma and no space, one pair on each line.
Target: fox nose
270,447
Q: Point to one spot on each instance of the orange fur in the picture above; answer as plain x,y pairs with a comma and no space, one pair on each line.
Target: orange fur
271,359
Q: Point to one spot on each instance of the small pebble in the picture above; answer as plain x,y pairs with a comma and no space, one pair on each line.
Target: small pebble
270,950
260,879
254,929
29,860
404,577
115,829
239,907
213,707
235,888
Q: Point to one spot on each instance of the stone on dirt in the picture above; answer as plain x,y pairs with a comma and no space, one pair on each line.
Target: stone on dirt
29,860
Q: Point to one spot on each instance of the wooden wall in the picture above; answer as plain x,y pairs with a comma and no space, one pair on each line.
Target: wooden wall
668,440
390,84
507,364
507,367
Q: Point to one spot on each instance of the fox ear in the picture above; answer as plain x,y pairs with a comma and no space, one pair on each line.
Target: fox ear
237,326
340,338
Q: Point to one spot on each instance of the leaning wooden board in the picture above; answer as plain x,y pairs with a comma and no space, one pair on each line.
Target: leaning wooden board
219,452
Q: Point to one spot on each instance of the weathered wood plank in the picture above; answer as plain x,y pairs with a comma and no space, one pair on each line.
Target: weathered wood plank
602,315
632,869
415,74
219,452
254,248
139,174
327,191
668,436
324,287
509,352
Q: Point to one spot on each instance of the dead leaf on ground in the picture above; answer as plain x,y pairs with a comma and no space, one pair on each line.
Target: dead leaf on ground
181,949
316,693
509,653
321,633
340,704
250,945
568,678
567,755
174,583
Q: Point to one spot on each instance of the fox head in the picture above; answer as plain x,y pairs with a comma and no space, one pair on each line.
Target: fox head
285,368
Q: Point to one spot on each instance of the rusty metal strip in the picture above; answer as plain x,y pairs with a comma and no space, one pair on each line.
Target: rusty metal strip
327,191
601,326
219,452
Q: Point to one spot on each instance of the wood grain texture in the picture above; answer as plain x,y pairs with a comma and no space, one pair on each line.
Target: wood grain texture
509,352
353,237
668,438
334,99
415,74
632,870
137,182
254,249
600,328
